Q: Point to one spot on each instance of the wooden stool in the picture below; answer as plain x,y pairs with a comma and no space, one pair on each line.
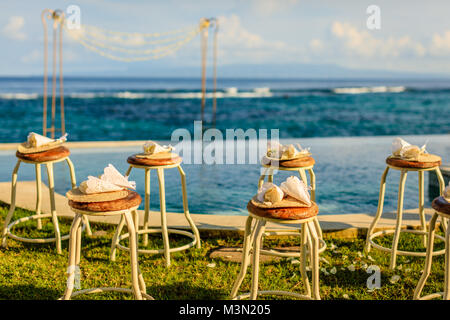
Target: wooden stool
132,219
253,239
404,166
442,209
159,165
300,165
47,158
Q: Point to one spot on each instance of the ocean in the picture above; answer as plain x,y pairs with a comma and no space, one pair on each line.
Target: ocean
348,124
140,109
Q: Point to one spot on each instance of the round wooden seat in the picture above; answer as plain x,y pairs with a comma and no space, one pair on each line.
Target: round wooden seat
296,213
441,205
175,159
411,164
44,156
296,163
132,200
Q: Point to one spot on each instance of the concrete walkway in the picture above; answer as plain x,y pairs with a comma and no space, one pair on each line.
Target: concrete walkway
342,226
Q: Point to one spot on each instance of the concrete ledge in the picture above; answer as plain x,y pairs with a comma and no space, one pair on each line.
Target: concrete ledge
333,226
85,144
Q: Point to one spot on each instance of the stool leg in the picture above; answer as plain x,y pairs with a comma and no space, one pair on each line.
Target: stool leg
310,244
37,168
73,255
401,191
136,226
262,177
186,208
304,258
428,258
444,223
318,228
423,221
245,257
146,205
12,207
255,263
162,203
73,180
270,176
447,266
51,187
115,239
302,174
127,174
314,260
312,178
379,209
133,256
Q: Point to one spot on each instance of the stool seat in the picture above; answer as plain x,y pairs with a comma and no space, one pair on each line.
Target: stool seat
175,159
49,155
411,164
297,213
441,205
296,163
132,200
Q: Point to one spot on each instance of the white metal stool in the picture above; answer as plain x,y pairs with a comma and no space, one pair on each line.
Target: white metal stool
253,239
159,166
301,166
47,158
404,166
442,209
132,220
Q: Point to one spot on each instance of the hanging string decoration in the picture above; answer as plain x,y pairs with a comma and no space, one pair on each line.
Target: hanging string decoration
56,17
134,46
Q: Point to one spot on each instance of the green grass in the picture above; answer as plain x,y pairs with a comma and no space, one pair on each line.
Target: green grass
30,271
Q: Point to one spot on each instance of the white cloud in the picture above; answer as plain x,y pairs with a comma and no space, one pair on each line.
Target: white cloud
316,45
33,56
14,28
267,7
241,45
440,44
361,43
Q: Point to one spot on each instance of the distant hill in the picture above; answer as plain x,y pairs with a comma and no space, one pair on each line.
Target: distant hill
271,71
153,69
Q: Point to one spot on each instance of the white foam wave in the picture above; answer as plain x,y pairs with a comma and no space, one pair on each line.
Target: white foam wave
227,93
19,96
360,90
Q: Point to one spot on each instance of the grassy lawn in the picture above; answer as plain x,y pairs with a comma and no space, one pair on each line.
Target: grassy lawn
29,271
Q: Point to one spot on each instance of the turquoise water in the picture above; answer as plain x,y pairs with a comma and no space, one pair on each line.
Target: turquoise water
141,109
348,172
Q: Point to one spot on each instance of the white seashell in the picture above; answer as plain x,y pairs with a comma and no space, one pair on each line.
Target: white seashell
397,145
151,147
36,140
276,194
288,151
274,149
96,185
111,175
295,188
405,150
277,150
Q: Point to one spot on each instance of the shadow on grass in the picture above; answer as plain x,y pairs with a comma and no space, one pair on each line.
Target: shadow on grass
184,290
28,292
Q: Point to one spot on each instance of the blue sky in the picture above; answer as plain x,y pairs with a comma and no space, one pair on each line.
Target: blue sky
414,35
